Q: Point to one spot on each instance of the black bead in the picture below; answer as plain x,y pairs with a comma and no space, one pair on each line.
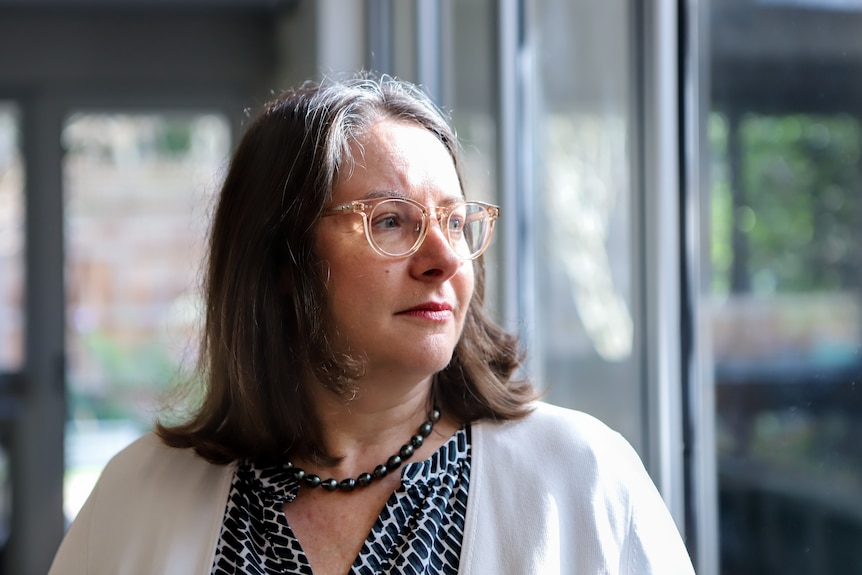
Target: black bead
425,429
380,471
330,484
393,462
348,484
417,440
406,451
435,415
298,474
312,480
364,479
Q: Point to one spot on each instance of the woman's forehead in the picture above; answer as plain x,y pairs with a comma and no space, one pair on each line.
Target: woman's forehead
400,157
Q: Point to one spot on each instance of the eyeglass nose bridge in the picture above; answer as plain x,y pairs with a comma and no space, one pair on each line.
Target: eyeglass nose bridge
423,227
441,214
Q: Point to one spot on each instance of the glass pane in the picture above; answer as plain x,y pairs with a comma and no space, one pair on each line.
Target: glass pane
473,105
583,133
11,290
785,133
137,191
11,242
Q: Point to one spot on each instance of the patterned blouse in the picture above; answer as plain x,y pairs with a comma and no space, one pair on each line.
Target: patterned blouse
419,530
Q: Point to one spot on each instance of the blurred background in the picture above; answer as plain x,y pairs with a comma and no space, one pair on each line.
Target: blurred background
679,248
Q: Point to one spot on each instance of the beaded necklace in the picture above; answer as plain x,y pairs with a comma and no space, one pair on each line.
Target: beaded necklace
365,479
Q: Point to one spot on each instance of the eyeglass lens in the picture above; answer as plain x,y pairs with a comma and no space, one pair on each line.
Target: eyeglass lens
396,226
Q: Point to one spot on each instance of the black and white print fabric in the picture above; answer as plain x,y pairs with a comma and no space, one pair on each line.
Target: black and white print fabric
419,530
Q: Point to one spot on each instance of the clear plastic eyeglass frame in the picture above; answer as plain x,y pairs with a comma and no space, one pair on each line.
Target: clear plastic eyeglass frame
481,213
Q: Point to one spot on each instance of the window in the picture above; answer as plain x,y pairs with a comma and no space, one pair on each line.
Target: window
784,136
11,241
137,189
11,289
586,268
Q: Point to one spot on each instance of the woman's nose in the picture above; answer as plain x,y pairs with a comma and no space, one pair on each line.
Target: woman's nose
436,257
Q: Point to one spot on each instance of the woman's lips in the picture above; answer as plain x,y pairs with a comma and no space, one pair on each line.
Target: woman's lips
432,311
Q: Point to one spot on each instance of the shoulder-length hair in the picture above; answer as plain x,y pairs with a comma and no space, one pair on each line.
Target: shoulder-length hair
265,331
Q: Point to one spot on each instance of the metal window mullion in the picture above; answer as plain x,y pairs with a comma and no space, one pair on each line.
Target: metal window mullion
660,189
515,169
428,49
378,18
702,478
37,453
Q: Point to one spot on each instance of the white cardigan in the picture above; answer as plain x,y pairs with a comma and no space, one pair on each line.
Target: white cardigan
556,492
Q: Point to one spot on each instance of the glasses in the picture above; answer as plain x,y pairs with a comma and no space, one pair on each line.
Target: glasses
396,227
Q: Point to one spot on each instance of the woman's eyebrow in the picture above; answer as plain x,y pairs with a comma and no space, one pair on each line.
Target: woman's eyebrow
375,194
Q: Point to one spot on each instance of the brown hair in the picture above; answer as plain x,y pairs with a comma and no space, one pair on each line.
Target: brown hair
265,326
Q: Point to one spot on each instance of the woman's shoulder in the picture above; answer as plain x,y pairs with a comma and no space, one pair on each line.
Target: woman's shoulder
149,474
149,456
557,462
150,465
156,507
559,437
552,422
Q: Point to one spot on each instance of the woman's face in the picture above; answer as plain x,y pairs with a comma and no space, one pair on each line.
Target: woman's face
402,315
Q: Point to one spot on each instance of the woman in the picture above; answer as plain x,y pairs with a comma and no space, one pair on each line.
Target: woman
360,414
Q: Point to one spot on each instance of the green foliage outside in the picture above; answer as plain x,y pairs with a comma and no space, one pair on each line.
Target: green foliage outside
797,209
133,380
174,138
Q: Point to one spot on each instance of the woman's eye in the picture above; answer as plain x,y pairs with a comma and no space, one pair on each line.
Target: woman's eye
387,221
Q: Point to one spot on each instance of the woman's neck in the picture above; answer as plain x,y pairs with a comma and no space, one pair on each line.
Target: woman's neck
365,430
